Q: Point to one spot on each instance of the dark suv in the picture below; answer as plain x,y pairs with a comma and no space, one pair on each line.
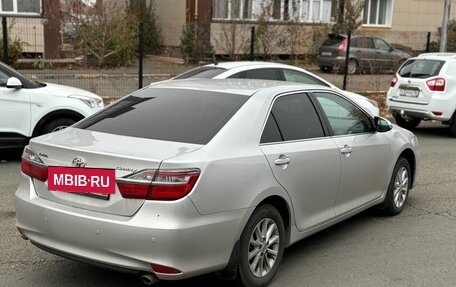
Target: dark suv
367,54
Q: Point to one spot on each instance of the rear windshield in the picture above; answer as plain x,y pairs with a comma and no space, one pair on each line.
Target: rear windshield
201,72
420,68
188,116
333,40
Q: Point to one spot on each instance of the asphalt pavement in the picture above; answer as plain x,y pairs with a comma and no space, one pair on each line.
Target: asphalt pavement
415,248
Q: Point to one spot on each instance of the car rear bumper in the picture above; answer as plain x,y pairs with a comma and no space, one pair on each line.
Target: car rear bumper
173,234
435,110
330,61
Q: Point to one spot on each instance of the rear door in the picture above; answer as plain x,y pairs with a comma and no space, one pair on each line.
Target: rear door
386,59
368,53
365,154
304,160
413,78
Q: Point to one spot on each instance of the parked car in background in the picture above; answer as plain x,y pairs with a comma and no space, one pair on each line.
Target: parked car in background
272,71
367,54
193,176
31,108
424,88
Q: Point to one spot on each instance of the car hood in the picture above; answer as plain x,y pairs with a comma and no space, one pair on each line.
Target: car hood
65,91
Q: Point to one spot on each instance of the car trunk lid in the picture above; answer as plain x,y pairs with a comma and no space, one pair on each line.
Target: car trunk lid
332,46
125,155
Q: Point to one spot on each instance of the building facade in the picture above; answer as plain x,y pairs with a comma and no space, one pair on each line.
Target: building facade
302,23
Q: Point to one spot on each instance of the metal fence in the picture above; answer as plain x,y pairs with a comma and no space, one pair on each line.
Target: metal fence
74,69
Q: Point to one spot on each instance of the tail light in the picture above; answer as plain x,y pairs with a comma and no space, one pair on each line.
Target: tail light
436,85
33,166
342,45
393,81
158,184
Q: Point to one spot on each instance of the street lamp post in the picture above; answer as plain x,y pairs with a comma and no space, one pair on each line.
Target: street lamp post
444,33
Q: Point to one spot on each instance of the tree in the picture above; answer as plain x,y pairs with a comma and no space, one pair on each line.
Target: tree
451,38
270,38
104,33
348,16
143,13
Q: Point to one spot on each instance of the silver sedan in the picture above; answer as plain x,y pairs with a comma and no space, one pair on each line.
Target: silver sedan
188,177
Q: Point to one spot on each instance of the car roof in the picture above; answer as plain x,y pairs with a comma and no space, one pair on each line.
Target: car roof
246,87
436,56
256,64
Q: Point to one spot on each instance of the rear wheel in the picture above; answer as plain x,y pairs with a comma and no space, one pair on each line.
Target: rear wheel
398,189
453,126
261,247
353,67
326,69
57,124
407,123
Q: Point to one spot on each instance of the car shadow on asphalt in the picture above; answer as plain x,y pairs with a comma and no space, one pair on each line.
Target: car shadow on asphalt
434,130
10,154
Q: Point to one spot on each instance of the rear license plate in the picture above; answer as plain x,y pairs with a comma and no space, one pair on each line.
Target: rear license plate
326,54
408,93
82,180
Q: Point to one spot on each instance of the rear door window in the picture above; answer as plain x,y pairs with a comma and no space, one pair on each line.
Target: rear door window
201,72
366,42
293,117
420,68
381,45
188,116
263,74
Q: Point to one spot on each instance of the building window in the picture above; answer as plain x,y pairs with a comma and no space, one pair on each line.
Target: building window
315,11
377,12
299,10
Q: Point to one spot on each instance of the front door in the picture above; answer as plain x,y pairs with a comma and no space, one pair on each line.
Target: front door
304,160
15,114
364,153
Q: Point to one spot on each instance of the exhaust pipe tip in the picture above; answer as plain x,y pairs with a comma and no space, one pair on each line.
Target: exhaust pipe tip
148,279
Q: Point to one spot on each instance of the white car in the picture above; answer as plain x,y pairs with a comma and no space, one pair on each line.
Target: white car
424,88
31,108
272,71
188,177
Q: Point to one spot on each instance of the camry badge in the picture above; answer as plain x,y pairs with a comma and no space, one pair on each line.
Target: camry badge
78,162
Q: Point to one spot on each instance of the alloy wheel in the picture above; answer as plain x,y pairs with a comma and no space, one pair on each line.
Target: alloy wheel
263,247
401,186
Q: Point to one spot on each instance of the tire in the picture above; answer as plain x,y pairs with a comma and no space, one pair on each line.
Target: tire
56,125
353,67
453,126
398,189
410,123
251,274
326,69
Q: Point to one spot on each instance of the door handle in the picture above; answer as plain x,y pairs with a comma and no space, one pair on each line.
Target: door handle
282,160
346,150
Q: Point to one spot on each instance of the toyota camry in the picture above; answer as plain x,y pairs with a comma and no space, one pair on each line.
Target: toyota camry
188,177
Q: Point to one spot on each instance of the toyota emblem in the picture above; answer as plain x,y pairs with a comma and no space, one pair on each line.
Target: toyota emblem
79,162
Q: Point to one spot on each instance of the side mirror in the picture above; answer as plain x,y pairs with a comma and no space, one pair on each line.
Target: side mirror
382,125
13,83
